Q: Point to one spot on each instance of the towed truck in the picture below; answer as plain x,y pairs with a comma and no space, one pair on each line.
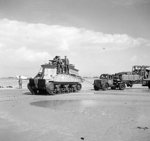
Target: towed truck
138,75
129,79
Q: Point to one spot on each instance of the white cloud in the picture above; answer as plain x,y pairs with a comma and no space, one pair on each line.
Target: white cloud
31,56
36,36
134,58
28,42
1,45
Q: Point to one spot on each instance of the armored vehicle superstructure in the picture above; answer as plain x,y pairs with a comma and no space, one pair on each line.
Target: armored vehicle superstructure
57,76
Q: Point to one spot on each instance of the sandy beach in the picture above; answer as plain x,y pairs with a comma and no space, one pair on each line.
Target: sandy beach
89,115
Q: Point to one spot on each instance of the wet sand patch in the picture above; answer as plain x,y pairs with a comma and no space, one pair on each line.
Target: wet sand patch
67,105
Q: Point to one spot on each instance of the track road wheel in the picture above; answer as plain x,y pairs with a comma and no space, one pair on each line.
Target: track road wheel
71,89
67,88
74,88
122,86
63,90
104,87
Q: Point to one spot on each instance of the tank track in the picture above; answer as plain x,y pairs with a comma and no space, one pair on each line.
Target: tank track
40,86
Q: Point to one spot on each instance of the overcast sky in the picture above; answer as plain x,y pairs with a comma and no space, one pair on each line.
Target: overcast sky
98,36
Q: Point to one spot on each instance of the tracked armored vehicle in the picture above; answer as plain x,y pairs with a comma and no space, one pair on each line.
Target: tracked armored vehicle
57,76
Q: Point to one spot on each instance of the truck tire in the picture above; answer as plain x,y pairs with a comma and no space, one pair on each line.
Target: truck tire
149,84
97,84
130,84
96,88
113,87
122,86
79,87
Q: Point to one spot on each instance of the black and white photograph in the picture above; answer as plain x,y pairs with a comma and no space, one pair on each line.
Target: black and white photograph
74,70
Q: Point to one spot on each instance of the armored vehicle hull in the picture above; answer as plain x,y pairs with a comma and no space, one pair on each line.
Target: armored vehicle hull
52,87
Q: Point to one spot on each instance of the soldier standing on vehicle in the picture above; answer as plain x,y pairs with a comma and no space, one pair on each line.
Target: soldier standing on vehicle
58,65
56,61
63,66
66,65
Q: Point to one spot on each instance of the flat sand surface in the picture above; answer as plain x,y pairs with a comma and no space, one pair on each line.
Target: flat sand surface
89,115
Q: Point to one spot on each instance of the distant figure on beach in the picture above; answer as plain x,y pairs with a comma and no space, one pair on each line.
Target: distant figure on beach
20,82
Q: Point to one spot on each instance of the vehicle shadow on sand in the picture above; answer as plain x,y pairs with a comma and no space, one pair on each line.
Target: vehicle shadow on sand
45,94
40,94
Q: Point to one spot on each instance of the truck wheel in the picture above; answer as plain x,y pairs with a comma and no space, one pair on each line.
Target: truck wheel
113,87
96,88
122,86
149,84
104,87
130,84
79,86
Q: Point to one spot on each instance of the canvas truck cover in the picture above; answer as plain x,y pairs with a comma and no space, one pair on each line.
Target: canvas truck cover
130,77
